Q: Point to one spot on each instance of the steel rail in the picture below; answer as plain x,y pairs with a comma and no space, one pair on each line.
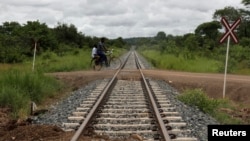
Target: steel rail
163,130
93,110
156,111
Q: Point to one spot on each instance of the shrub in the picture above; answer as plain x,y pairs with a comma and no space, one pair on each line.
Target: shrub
48,55
198,98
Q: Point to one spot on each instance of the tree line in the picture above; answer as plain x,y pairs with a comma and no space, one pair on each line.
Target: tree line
207,35
204,40
18,41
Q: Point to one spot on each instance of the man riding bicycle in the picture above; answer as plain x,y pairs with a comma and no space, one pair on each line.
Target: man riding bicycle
101,49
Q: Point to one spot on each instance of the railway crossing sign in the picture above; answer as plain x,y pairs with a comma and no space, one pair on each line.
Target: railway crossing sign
230,30
229,33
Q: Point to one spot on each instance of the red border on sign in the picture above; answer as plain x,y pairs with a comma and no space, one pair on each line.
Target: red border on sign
229,30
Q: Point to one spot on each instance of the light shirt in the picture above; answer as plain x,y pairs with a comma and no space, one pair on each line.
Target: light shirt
94,52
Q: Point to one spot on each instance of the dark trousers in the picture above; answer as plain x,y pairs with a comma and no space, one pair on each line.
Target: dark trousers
103,57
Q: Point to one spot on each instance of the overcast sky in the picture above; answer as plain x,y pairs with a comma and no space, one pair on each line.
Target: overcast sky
117,18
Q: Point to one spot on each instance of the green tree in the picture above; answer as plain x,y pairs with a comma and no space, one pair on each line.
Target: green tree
230,13
163,46
246,2
208,31
160,36
67,34
10,28
191,42
244,30
118,42
36,32
10,33
10,43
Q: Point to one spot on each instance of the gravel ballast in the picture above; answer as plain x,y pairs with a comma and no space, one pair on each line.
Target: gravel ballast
196,120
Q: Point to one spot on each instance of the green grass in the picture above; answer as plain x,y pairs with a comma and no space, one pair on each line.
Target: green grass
72,61
198,98
186,61
50,62
244,71
19,85
19,88
180,63
76,60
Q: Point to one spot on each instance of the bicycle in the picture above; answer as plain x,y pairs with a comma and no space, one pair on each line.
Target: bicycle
113,61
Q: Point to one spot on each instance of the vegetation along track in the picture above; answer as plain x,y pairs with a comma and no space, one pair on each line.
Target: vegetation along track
128,104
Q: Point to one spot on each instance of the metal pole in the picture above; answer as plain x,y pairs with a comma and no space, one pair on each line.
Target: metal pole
225,75
34,58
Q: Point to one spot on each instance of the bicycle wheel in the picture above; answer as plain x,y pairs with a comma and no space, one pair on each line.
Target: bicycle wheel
95,65
115,63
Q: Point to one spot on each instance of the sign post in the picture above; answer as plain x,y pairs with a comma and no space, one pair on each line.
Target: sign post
229,33
225,74
34,57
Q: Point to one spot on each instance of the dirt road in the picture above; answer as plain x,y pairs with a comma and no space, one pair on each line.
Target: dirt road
237,86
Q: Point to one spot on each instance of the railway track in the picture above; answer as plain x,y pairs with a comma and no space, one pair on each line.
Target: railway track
128,105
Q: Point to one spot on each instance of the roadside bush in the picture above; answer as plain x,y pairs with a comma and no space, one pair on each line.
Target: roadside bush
231,68
48,55
11,55
216,108
197,97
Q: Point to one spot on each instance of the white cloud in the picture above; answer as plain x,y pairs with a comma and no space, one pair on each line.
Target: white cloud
117,18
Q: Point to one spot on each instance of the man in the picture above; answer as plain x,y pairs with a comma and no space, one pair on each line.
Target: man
101,49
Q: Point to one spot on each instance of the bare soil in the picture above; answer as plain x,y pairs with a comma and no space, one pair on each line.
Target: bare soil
237,90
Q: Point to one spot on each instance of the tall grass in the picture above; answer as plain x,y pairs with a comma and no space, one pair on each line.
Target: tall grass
19,88
19,85
51,62
198,98
172,62
75,60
